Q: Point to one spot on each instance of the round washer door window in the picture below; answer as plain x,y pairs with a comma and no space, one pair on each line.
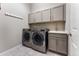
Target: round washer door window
37,38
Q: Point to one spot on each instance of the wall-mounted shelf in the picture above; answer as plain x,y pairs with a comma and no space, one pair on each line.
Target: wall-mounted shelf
12,15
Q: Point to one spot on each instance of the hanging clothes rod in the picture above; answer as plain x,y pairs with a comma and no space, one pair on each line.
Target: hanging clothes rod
10,15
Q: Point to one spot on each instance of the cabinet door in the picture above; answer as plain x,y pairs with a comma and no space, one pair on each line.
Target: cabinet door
57,13
31,18
52,44
37,17
46,15
62,45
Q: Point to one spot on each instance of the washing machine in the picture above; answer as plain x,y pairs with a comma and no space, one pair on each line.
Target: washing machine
26,38
40,40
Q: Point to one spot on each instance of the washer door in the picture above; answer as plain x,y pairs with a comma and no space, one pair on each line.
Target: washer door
37,38
26,36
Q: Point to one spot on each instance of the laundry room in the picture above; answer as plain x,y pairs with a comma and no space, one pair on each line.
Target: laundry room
39,29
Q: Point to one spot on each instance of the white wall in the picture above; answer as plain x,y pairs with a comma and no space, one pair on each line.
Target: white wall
42,6
11,28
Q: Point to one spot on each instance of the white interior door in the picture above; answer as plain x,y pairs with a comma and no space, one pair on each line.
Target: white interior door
74,30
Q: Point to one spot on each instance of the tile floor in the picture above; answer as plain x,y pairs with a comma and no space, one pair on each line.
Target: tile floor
25,51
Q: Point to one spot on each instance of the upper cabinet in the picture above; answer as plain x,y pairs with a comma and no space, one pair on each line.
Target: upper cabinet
37,17
31,18
57,13
46,15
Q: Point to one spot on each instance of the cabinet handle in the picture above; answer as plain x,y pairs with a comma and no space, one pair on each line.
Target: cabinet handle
70,34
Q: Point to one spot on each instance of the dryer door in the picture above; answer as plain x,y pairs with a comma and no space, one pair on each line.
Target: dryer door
37,38
26,36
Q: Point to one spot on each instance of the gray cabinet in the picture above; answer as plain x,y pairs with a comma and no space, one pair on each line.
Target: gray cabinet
31,18
57,13
37,17
58,42
46,15
52,44
61,45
